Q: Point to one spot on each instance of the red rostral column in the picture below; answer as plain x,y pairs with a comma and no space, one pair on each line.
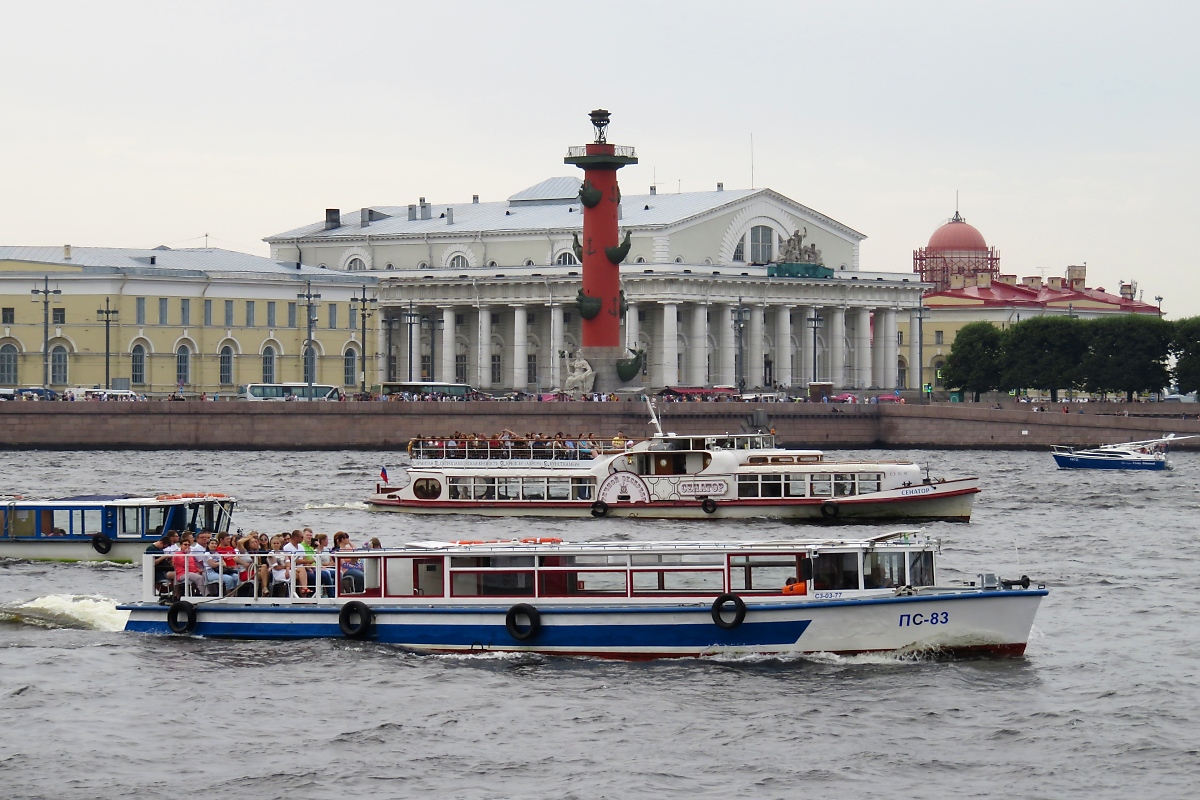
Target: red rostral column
600,250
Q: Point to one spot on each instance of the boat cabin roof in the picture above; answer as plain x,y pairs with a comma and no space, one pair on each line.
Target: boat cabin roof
119,500
905,538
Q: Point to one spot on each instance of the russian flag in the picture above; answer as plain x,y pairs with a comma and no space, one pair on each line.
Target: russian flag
383,474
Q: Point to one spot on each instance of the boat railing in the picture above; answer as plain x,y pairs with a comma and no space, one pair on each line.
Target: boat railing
203,577
512,449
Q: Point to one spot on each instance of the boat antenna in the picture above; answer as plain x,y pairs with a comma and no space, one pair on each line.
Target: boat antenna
1017,552
654,417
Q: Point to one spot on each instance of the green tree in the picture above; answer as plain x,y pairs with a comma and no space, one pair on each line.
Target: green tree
975,362
1127,353
1186,347
1044,353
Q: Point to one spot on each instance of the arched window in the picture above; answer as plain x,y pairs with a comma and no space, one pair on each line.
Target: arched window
640,260
8,365
356,264
762,244
937,373
58,365
183,365
138,365
678,259
566,259
528,262
492,263
739,252
226,365
310,365
350,368
390,266
422,265
268,359
459,262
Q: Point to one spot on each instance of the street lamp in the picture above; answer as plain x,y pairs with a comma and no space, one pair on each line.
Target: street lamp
365,307
311,303
46,294
435,325
925,396
815,322
1158,299
390,355
108,313
410,318
741,318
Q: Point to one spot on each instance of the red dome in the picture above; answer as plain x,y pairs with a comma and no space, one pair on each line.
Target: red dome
957,235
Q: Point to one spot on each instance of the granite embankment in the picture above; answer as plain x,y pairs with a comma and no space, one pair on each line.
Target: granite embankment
389,426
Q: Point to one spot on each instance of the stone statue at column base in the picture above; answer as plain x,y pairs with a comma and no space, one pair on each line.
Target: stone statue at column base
581,378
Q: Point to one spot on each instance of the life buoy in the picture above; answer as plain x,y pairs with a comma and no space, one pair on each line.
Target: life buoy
739,611
542,540
356,620
830,509
469,541
599,508
181,617
101,544
515,630
708,505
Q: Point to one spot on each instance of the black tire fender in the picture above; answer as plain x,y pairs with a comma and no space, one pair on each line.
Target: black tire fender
102,544
515,630
356,620
739,611
708,505
181,617
599,509
830,509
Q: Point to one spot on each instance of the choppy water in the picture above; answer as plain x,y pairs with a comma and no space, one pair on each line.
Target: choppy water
1105,704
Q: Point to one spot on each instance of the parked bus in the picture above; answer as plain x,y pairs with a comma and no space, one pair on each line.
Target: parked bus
287,391
457,391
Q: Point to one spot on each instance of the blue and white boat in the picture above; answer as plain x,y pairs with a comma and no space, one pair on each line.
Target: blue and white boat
104,527
1148,454
626,600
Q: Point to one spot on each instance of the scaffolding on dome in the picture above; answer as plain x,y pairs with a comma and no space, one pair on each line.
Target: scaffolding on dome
936,265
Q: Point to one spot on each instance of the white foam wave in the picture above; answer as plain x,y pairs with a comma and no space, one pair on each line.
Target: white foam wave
71,611
358,506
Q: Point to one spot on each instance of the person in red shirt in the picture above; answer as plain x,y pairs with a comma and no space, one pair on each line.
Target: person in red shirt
187,567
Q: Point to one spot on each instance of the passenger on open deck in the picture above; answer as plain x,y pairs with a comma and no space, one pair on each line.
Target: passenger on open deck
299,560
189,574
163,574
353,577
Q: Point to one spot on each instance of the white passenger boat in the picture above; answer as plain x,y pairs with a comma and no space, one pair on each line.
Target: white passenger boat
104,527
1148,454
624,600
666,477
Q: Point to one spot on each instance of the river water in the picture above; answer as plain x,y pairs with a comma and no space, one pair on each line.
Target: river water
1106,702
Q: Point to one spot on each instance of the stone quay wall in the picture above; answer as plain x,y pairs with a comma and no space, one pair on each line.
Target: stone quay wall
389,426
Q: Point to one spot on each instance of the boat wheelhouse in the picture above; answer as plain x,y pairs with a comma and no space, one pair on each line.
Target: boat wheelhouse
630,600
1150,454
104,527
667,476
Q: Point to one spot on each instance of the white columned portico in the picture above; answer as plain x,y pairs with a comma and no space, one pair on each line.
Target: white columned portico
783,345
754,348
668,346
863,355
632,330
890,347
807,336
483,348
698,347
556,344
837,345
449,346
914,350
381,343
520,349
728,345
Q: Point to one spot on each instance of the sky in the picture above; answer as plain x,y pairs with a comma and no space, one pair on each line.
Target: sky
1070,131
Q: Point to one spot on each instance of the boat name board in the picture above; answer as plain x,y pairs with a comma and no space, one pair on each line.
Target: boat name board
501,463
703,488
912,491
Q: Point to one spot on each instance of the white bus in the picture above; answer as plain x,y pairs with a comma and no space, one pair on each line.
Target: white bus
457,391
287,391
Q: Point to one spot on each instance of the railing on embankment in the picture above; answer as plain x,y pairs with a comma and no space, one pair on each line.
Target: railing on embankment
389,426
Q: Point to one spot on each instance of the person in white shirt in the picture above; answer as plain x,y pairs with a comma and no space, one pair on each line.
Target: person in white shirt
299,560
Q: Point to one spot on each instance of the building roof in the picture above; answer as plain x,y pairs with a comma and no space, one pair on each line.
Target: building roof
1004,295
544,206
187,262
957,235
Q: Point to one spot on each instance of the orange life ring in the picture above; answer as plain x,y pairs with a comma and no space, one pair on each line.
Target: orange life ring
469,541
796,588
215,494
543,540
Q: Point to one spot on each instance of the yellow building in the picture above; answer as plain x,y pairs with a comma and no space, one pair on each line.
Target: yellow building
200,320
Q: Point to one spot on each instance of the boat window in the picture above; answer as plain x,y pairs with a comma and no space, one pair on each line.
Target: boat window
781,459
883,570
833,571
795,485
558,488
56,523
408,577
747,486
87,522
592,582
761,573
156,518
508,488
131,519
822,485
678,581
772,486
23,522
843,485
584,561
583,488
757,460
869,482
807,459
491,584
920,568
459,488
427,488
699,559
503,562
533,489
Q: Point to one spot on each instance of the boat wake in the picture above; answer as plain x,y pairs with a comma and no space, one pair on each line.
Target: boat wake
82,612
348,506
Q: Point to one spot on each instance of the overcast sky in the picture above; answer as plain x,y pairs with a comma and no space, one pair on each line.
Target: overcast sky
1069,129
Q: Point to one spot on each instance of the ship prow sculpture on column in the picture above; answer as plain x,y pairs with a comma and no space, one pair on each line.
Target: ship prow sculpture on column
601,250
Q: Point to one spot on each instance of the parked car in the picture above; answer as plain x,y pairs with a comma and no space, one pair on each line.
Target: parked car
887,398
844,397
38,392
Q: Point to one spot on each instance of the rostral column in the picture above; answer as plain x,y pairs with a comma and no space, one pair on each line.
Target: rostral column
601,304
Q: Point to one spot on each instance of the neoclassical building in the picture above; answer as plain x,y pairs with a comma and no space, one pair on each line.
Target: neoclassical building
484,292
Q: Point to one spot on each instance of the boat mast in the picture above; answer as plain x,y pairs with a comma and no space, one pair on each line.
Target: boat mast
654,417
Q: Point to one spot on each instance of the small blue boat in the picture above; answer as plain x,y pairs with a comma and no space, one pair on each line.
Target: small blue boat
1148,454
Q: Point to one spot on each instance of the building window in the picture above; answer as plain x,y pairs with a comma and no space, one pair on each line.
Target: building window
185,312
390,266
459,320
333,316
59,316
8,316
208,313
350,368
310,365
938,337
900,338
531,367
268,365
426,367
226,365
459,262
937,373
137,360
8,364
491,263
495,319
641,316
271,314
531,319
566,318
496,369
139,310
183,365
228,313
739,252
291,315
162,311
901,376
58,365
762,244
566,259
460,367
250,314
640,260
356,265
